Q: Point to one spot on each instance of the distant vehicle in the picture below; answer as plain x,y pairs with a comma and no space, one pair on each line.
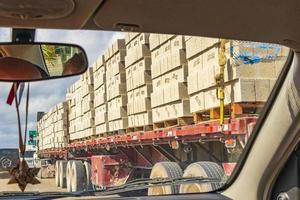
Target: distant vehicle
8,158
29,155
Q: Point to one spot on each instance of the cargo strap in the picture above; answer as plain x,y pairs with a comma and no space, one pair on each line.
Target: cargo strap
220,79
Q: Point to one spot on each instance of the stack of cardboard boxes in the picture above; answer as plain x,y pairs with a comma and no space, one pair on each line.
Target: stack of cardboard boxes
243,82
169,99
53,128
116,95
138,80
74,97
88,111
100,103
81,107
147,79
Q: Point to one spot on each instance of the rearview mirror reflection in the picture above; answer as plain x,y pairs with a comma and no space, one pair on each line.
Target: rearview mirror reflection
31,62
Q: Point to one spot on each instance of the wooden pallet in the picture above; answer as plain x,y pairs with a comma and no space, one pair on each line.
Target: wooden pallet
117,132
233,110
181,121
139,128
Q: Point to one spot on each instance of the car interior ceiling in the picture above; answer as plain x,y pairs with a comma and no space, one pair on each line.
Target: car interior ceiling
209,18
226,19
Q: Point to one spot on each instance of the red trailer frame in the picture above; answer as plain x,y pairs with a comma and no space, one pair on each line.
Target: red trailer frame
131,147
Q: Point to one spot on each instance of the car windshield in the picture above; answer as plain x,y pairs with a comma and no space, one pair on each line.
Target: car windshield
157,114
29,154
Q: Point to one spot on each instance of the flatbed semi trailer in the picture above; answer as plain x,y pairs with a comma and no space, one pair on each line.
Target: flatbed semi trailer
117,159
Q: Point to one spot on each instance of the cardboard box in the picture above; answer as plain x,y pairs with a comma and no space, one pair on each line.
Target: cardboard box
193,47
142,51
101,128
177,91
177,43
157,83
154,41
118,45
195,64
117,68
163,38
157,97
100,62
197,102
116,113
130,104
179,109
101,114
146,90
144,64
147,118
117,90
192,83
156,63
179,75
100,96
87,89
177,58
118,124
131,122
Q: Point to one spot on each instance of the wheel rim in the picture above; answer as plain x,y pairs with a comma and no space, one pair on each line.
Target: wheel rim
193,188
158,190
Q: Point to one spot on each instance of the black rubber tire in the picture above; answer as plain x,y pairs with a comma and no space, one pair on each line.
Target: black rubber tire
204,169
88,176
165,170
69,175
77,176
57,173
62,174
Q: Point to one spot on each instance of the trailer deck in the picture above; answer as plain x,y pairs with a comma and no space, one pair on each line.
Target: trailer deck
209,130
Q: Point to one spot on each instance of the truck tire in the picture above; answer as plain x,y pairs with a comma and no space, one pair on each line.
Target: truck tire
57,174
69,175
88,174
204,169
62,174
77,176
165,170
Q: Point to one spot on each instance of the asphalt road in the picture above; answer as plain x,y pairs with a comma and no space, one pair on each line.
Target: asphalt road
47,185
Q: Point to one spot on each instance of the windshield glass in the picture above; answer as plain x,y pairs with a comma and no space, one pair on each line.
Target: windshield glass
29,154
173,112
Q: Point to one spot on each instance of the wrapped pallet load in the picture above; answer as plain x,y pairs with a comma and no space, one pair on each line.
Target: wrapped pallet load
88,111
100,103
138,81
116,95
81,107
53,128
169,100
249,74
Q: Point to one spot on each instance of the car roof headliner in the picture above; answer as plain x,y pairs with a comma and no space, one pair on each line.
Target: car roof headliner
273,21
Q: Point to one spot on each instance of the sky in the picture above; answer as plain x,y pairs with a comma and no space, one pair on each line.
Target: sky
45,94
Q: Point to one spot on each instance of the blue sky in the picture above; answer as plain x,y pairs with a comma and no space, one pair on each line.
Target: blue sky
45,94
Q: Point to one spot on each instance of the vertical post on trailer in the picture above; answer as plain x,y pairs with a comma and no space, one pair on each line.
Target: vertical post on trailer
220,79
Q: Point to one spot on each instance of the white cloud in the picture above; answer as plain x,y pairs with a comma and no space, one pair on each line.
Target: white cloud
45,94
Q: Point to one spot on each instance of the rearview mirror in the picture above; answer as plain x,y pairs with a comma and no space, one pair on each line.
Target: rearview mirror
40,61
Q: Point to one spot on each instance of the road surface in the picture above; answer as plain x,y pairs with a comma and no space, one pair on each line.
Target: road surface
47,185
